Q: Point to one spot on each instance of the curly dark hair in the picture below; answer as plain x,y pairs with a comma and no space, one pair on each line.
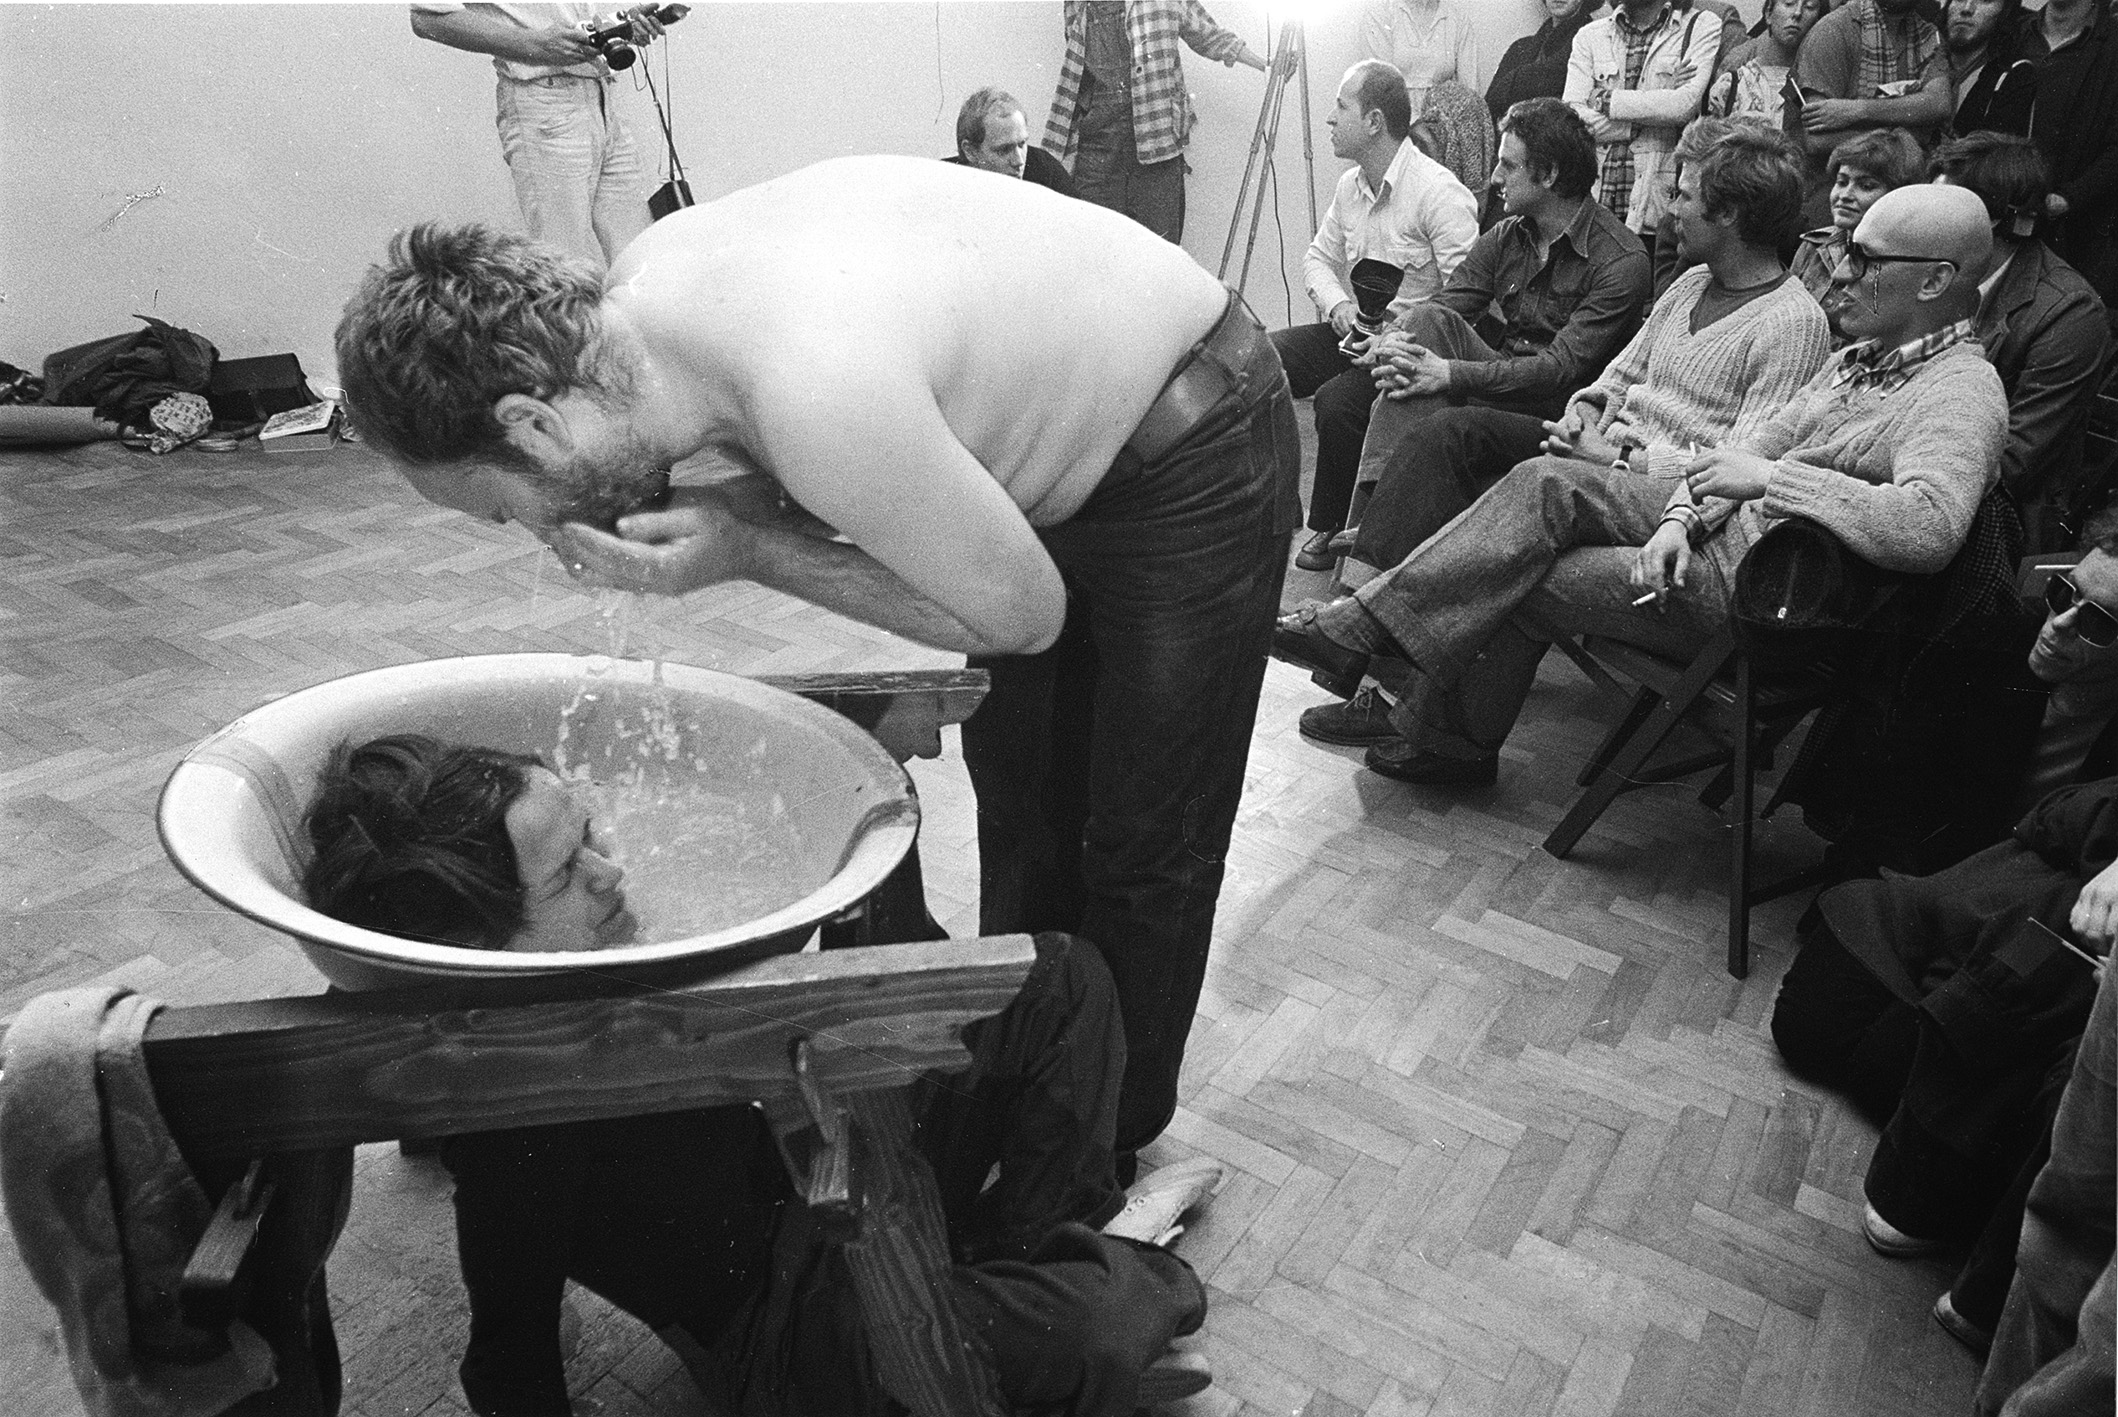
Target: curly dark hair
1561,152
411,840
457,317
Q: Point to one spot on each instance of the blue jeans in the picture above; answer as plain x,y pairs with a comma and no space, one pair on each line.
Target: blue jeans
575,166
1549,550
1108,768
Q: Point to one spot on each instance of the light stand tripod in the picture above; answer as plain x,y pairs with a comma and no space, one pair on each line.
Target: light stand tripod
1290,58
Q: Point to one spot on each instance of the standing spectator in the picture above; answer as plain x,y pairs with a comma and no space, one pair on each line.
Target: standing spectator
1992,83
1862,168
2042,326
1122,111
1872,64
1535,65
1457,132
1636,78
575,166
993,134
2074,44
1427,40
1395,205
1752,83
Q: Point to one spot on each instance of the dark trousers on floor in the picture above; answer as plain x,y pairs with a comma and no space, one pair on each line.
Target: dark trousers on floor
680,1221
1108,768
1317,368
1429,480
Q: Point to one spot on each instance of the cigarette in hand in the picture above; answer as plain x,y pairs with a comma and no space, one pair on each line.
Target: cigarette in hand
1646,598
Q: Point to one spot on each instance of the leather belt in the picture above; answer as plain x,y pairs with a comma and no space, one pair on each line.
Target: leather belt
1203,379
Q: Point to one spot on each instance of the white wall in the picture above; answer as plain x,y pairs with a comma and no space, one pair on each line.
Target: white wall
286,142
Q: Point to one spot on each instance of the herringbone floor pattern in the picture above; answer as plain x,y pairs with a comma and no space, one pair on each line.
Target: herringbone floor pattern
1502,1136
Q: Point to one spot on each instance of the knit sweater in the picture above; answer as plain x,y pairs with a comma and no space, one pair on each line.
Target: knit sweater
1672,388
1897,476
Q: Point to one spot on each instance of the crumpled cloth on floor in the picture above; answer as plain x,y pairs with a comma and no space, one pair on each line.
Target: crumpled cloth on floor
106,1213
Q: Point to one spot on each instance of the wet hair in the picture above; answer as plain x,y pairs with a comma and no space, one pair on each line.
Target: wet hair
1560,151
2008,174
1891,156
1382,90
411,839
1752,171
455,318
970,119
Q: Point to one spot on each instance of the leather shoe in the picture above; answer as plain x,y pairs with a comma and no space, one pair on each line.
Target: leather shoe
1399,759
1361,720
1316,553
1335,668
1343,542
1173,1377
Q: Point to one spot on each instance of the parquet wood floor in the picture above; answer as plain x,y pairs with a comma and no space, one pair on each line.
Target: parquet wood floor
1502,1137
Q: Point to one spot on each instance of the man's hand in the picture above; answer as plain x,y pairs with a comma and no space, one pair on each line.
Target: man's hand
1828,115
2095,918
1576,435
701,540
1408,370
646,29
1661,564
1724,472
2056,205
1344,317
559,44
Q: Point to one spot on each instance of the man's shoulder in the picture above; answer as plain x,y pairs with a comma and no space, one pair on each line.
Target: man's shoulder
1611,240
1421,178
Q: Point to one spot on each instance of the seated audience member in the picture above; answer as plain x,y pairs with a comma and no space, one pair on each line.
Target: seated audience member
1752,83
1891,447
993,133
1731,343
1873,64
1993,84
1535,65
1395,205
2074,44
683,1219
2042,326
1862,168
2052,1356
1555,289
1637,77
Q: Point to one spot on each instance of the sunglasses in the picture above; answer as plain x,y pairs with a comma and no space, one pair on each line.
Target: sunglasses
1860,260
2093,625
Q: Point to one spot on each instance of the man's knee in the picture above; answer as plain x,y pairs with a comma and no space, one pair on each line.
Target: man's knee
1344,401
1823,1005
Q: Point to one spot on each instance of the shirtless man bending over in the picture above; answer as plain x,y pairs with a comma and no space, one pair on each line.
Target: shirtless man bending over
1043,437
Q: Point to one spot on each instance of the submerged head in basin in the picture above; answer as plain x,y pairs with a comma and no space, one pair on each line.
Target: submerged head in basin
460,845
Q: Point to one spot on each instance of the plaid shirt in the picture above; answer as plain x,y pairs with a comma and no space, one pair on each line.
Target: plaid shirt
1617,174
1894,48
1161,105
1868,364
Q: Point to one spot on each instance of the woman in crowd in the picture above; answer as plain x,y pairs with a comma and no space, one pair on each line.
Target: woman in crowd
1428,41
1752,82
1862,168
1535,65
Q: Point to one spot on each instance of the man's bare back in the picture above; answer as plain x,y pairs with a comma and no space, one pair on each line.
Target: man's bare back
1039,328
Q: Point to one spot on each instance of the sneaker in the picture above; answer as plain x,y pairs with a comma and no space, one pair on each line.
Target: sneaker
1889,1240
1159,1200
1969,1334
1174,1376
1358,722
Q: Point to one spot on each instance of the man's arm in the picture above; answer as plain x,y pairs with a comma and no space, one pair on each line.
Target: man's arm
1675,107
938,551
1469,288
1449,218
1324,260
2052,393
1618,291
1197,29
483,30
1581,86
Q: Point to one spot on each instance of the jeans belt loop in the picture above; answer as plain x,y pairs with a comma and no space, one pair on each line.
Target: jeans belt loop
1199,383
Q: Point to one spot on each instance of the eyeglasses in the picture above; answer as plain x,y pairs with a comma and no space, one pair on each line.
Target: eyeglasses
1860,260
2093,625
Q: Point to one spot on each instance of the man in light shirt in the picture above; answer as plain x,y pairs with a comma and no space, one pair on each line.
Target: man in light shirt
1397,206
576,168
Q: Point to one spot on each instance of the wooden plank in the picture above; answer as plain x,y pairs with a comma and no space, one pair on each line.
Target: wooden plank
240,1079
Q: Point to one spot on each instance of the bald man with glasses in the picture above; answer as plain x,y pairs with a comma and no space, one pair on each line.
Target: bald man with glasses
1892,446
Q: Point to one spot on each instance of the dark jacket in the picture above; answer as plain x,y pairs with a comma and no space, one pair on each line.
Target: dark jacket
2076,125
2046,333
2000,98
1040,167
1535,65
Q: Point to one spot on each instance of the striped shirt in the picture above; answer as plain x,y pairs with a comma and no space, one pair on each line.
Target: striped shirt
1161,105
